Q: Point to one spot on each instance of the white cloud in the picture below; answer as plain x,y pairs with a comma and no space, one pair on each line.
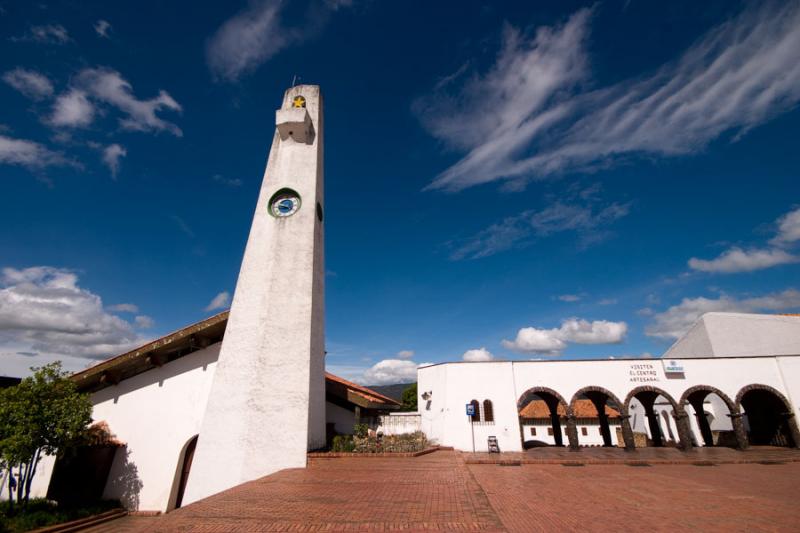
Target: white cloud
124,308
737,260
102,27
788,228
390,371
144,322
675,321
338,4
46,34
405,354
44,310
530,117
247,40
230,182
572,330
569,298
29,154
109,87
111,156
477,354
255,34
607,301
220,301
586,219
183,226
72,109
30,83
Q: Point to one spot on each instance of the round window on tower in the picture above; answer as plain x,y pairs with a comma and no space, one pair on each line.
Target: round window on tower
299,101
284,203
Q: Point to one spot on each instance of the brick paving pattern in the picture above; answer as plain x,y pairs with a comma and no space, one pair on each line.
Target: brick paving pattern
598,498
442,491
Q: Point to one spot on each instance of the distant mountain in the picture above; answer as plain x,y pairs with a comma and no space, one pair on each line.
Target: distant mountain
395,392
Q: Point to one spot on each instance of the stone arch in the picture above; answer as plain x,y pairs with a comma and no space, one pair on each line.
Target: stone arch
708,388
694,396
533,391
681,418
784,422
553,400
596,394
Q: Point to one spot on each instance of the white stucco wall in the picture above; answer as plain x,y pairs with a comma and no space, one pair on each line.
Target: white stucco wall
739,334
155,414
453,385
399,423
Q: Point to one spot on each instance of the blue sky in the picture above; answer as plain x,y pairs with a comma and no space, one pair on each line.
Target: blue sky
510,181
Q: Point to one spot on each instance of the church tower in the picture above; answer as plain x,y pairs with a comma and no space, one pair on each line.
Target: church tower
266,408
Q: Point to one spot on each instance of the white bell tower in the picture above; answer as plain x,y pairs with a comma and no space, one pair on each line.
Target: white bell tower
266,408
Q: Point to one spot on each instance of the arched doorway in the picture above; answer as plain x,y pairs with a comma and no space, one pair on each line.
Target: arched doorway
769,419
655,416
606,411
543,418
185,466
714,417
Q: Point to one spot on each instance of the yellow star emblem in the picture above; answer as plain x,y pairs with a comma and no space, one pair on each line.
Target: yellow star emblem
299,101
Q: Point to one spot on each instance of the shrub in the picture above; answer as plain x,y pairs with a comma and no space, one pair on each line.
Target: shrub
406,442
361,431
343,443
40,513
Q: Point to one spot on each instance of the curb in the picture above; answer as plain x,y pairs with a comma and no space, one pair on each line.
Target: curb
83,523
366,455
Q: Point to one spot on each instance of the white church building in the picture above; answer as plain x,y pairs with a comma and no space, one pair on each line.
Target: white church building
243,394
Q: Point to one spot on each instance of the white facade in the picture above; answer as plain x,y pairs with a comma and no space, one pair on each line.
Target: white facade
155,414
267,402
450,386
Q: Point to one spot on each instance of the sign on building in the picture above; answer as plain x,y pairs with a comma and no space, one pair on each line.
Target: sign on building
673,369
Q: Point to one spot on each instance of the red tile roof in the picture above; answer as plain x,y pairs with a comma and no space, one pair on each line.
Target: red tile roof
582,409
364,392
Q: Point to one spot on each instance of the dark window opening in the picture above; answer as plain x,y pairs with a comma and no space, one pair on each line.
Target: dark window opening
488,411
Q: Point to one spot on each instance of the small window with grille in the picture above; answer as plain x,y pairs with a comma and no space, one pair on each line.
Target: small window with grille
488,411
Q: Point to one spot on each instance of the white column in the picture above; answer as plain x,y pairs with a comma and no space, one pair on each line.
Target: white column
267,403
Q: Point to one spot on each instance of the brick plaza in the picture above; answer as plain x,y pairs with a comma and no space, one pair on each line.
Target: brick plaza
448,490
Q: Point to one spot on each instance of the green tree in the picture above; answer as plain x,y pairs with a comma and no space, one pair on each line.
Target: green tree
410,398
43,414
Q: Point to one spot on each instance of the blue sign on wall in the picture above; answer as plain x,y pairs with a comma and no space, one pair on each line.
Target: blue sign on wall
470,410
